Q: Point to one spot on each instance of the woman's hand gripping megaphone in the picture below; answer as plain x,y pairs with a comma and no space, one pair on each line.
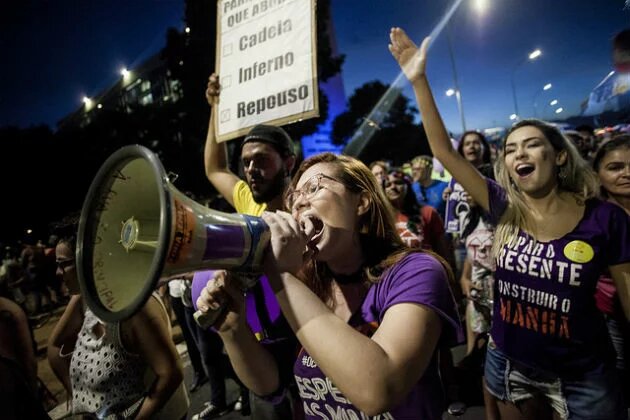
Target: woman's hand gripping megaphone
221,302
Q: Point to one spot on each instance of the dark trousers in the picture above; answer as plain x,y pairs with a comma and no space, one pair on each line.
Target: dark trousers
211,353
189,338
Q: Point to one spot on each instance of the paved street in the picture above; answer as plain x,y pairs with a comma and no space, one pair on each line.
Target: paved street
202,395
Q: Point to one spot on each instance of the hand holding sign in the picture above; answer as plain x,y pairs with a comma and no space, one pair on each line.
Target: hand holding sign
213,90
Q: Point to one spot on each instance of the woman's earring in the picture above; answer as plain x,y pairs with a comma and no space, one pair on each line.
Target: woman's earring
563,172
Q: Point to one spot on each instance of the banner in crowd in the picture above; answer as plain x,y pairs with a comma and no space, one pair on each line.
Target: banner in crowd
457,209
611,94
267,64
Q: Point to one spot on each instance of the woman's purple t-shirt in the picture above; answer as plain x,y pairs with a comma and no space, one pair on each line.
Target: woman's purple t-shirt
544,312
417,278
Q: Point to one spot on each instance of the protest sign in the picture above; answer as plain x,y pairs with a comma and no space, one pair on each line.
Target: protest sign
457,209
267,64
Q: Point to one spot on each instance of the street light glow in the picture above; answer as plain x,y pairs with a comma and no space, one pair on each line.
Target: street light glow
554,102
480,6
124,72
450,92
187,29
513,117
87,101
532,56
547,86
559,110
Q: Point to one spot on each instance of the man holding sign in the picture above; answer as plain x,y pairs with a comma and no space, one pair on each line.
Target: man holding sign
268,159
266,56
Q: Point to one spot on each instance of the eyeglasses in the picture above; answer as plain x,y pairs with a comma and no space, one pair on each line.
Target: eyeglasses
308,190
63,264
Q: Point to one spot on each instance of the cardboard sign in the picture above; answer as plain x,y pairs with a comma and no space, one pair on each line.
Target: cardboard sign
267,64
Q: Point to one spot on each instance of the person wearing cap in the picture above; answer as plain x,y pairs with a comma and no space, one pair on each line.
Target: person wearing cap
428,190
268,158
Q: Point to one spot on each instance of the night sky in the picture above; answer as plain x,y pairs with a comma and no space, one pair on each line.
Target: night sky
55,52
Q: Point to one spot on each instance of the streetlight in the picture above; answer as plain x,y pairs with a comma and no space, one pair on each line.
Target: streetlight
553,102
89,103
460,107
534,54
480,6
531,56
513,117
126,75
546,87
559,110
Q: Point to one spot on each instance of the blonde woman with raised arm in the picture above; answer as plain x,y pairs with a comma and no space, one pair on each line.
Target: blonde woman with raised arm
549,354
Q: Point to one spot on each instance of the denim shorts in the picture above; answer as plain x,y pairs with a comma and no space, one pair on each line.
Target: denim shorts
595,396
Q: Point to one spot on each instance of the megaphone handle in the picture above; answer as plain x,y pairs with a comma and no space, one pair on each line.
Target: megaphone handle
207,319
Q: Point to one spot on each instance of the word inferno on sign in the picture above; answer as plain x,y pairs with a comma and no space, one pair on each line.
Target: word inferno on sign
245,74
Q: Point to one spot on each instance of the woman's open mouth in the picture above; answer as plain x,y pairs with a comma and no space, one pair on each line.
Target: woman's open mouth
472,155
524,169
313,228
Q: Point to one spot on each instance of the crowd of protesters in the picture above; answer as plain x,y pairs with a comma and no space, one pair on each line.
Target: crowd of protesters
31,283
374,272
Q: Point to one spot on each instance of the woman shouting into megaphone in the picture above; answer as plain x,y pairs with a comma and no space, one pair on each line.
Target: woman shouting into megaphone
370,313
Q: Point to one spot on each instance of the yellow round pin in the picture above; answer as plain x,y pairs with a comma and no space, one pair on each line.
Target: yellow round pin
579,252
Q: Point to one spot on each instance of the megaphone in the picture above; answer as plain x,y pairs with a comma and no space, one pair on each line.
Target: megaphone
136,227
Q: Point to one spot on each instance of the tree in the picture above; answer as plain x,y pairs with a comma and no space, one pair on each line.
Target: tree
35,180
396,138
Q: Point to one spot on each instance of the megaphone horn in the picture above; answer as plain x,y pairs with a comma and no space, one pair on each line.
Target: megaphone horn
136,228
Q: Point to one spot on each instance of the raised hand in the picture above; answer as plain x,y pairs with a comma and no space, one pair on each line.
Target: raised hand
411,60
213,90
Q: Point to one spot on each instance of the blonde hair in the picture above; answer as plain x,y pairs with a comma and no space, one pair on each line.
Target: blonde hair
422,158
575,176
380,243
